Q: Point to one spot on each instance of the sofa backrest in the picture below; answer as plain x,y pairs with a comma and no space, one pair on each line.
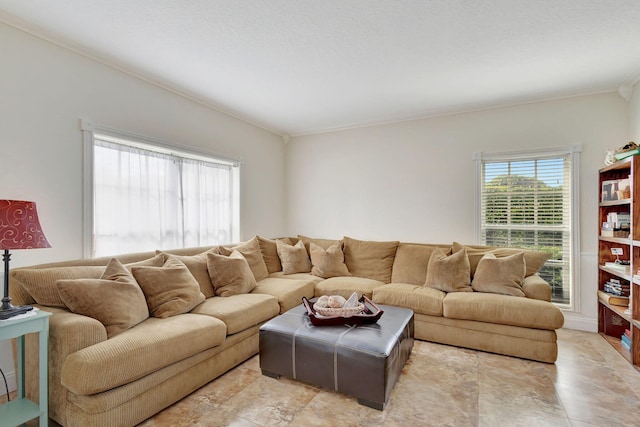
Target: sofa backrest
411,261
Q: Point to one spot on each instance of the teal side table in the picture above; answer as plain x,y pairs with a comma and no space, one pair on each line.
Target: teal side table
21,409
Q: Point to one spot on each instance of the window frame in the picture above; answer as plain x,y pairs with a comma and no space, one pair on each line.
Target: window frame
509,156
89,130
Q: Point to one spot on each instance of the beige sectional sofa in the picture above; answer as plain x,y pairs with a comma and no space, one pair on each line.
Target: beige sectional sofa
115,363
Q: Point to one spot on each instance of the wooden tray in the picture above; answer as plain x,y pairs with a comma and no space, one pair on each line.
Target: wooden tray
371,314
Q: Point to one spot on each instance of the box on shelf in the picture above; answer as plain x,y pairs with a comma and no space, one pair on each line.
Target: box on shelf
616,189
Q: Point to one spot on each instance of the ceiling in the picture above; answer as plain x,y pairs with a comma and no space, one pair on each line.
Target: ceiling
303,66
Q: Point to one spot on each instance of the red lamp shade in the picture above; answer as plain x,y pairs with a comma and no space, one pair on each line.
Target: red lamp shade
20,227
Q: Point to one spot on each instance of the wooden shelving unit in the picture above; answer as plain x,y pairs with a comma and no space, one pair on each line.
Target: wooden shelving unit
614,319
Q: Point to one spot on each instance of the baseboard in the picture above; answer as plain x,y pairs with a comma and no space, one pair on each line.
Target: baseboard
11,382
579,323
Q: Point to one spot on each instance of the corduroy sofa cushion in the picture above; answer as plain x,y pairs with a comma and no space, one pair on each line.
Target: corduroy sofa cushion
269,250
345,286
136,352
420,299
240,312
289,292
373,260
411,261
41,282
197,265
328,262
500,275
251,251
502,309
115,299
534,260
294,258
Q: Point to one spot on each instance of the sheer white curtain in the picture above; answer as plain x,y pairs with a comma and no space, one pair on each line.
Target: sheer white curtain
146,200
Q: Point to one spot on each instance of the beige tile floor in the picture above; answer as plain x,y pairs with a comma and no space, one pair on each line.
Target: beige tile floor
589,385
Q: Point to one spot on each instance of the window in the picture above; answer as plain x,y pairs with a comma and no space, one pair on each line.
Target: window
527,200
145,196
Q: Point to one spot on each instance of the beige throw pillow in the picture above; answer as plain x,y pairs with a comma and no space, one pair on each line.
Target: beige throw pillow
197,265
500,275
294,258
323,243
369,259
449,273
534,260
230,275
269,250
114,299
328,263
40,283
252,253
170,289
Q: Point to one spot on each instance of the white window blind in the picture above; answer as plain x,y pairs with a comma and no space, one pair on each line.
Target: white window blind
148,197
526,202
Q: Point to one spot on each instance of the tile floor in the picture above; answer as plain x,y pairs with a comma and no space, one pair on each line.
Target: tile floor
589,385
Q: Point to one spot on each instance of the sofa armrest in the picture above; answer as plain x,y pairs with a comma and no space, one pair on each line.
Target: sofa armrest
68,333
536,287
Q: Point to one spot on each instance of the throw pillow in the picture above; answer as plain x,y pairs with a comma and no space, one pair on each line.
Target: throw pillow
411,262
534,260
323,243
114,299
269,250
41,283
449,273
328,263
197,265
230,275
500,275
372,260
294,258
170,289
252,253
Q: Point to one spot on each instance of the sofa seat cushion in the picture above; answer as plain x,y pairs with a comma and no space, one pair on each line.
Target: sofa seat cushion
240,312
420,299
345,286
136,352
502,309
296,276
289,292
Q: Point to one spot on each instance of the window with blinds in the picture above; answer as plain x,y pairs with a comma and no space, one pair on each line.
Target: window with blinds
526,202
148,197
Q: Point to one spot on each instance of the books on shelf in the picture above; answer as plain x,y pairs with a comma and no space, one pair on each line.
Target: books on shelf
617,266
625,339
625,154
613,299
625,345
615,287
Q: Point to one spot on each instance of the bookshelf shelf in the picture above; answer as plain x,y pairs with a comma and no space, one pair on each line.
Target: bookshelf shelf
618,240
621,182
615,203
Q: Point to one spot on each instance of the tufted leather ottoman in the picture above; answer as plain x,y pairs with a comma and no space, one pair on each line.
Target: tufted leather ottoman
364,361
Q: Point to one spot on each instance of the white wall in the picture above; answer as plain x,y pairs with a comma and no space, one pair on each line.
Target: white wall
634,115
45,90
414,181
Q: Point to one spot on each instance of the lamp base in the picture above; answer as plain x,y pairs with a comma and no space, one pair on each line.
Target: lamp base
7,310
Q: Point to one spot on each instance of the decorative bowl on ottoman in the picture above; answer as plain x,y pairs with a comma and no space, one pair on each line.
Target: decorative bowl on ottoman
370,313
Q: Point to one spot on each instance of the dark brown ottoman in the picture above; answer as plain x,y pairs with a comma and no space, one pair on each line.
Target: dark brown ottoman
364,361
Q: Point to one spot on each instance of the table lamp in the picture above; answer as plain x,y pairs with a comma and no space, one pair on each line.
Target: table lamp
19,229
